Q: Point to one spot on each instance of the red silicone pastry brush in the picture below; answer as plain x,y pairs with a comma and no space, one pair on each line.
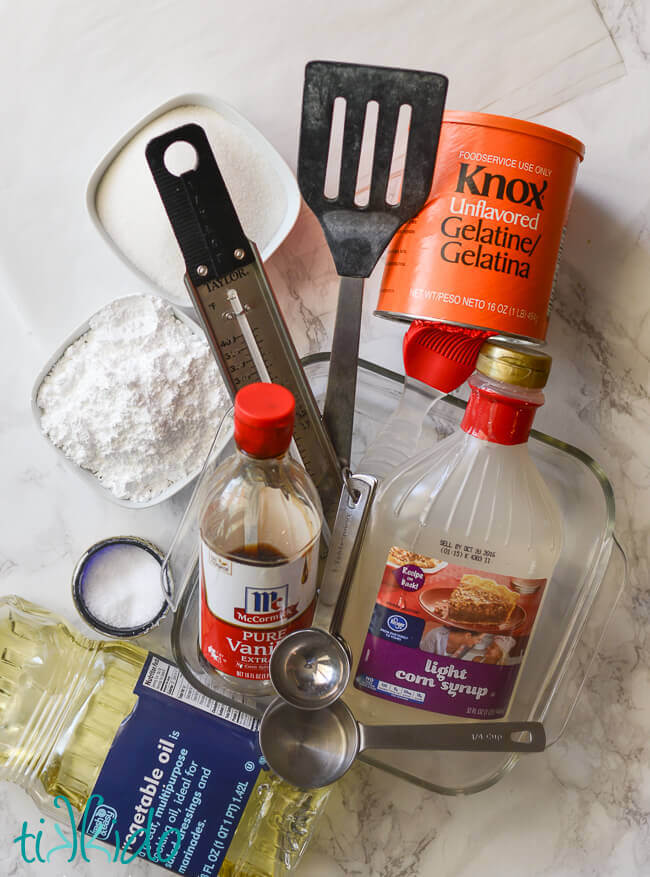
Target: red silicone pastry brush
440,355
438,358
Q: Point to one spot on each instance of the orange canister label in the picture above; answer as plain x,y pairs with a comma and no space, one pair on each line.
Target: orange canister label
483,251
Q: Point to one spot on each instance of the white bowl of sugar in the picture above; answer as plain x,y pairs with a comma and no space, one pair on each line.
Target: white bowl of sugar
126,209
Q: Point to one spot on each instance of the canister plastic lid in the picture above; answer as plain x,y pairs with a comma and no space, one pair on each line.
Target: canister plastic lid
514,365
506,123
264,416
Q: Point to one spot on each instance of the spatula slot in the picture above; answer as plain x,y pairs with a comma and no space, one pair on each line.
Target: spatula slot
367,155
398,161
359,215
335,149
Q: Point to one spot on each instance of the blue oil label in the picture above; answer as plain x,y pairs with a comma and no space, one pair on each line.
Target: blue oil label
177,778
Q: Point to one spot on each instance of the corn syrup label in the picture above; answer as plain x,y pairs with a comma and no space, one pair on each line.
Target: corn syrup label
447,638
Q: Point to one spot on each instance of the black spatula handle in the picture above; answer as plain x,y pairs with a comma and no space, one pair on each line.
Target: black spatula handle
338,411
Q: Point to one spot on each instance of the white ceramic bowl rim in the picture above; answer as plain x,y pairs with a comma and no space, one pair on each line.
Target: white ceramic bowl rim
283,170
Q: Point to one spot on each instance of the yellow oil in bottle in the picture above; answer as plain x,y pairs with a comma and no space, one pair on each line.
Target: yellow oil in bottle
62,699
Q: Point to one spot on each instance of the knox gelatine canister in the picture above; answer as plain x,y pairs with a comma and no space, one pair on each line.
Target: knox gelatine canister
484,250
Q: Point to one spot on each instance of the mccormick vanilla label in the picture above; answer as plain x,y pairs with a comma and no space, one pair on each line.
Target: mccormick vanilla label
247,608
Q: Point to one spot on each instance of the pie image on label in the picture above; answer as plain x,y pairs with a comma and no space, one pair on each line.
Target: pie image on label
481,600
400,557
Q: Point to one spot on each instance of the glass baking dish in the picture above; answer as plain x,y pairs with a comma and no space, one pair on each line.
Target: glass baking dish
588,581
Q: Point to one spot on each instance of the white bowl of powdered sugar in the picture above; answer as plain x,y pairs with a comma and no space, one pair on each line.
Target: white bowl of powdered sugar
124,204
132,400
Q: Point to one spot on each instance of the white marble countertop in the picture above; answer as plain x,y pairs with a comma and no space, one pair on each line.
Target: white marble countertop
75,77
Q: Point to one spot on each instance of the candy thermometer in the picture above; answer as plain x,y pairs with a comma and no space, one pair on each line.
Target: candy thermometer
232,295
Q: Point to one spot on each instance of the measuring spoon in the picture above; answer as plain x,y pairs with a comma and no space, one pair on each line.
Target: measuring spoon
310,668
311,749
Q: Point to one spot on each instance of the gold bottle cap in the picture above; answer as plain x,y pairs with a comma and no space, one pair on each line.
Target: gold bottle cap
514,365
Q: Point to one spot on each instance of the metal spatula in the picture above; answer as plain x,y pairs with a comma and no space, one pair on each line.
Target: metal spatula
359,224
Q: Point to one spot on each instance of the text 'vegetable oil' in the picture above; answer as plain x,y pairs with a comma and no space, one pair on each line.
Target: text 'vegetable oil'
62,700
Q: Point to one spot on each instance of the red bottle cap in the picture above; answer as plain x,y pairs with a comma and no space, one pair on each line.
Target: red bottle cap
264,415
496,418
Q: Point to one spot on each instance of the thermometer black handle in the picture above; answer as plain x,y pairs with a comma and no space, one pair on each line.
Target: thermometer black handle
199,207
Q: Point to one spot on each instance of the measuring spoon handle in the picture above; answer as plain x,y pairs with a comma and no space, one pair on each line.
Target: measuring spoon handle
472,737
349,526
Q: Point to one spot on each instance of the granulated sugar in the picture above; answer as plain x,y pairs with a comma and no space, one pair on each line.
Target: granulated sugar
121,586
130,209
136,400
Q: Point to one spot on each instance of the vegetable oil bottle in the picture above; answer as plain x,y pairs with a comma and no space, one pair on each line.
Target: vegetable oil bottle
459,552
148,764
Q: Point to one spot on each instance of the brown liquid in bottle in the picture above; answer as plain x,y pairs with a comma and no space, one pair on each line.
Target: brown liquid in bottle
260,552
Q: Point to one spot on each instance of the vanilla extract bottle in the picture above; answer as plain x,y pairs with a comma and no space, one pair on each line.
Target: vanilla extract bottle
260,524
460,549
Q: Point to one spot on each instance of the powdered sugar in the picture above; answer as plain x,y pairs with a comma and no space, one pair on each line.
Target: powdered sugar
136,400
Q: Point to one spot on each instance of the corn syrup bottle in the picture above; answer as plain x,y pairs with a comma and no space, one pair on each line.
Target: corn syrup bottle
459,552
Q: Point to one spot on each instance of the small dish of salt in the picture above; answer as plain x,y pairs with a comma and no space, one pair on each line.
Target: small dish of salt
117,587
